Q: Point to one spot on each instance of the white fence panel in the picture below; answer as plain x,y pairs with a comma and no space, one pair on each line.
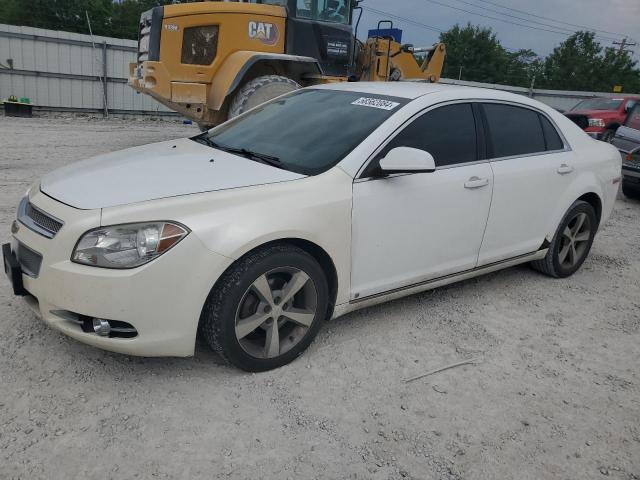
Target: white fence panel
63,70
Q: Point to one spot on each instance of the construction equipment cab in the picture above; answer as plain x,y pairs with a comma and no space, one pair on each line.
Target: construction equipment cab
215,60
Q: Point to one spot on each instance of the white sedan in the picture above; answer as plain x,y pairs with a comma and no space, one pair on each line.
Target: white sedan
318,203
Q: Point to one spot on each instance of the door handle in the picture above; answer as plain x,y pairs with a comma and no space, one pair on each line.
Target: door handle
565,169
476,182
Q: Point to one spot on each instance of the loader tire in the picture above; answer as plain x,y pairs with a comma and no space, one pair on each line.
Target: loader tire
258,91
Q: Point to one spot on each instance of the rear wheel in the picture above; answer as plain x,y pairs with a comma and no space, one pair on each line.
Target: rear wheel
571,243
267,308
260,90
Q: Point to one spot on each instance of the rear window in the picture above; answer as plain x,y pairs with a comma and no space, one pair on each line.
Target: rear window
513,130
308,131
633,120
552,139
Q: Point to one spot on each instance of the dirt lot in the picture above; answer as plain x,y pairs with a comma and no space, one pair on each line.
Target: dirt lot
556,393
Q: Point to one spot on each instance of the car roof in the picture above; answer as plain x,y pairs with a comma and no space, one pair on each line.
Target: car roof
412,90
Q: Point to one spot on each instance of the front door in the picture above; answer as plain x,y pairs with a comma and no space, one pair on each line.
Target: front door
409,228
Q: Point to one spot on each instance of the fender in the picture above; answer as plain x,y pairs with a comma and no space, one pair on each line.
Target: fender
233,70
586,182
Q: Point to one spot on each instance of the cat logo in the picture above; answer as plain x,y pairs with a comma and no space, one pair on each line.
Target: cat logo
267,33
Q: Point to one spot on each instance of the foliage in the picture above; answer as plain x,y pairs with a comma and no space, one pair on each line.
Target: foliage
474,53
581,63
578,63
108,18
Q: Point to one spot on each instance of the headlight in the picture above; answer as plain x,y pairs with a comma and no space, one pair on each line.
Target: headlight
596,122
127,246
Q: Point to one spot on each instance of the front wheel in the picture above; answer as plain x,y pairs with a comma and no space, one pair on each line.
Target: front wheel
571,243
267,308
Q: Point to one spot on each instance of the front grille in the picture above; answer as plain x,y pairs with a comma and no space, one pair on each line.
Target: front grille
43,220
29,260
581,120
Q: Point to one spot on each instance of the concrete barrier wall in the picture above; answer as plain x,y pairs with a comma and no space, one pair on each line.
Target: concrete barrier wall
561,99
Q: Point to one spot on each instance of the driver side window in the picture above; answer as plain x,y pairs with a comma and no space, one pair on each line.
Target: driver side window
448,133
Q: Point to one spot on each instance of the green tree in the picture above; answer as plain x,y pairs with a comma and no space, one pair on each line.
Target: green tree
581,63
474,53
126,16
68,15
107,18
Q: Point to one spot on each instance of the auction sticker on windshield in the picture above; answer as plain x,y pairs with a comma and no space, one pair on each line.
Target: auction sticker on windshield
376,103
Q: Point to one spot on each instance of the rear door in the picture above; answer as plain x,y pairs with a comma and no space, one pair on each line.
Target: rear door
532,167
408,228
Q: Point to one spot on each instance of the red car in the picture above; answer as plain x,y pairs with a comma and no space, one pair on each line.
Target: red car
601,117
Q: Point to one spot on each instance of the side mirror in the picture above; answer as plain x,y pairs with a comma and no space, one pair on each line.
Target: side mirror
407,160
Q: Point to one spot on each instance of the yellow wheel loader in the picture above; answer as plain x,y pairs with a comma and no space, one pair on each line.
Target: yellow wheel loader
214,60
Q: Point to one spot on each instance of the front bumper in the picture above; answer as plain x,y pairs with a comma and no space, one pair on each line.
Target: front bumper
162,299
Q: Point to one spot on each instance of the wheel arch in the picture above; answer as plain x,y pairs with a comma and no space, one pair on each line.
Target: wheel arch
586,188
320,254
243,66
595,201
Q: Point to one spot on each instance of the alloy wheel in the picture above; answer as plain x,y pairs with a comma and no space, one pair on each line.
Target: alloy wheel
575,240
275,312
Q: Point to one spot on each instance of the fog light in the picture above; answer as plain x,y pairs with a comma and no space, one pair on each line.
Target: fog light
101,327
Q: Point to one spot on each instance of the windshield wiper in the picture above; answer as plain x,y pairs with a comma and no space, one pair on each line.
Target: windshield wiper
261,157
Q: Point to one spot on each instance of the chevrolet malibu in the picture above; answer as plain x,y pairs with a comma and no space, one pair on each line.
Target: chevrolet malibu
318,203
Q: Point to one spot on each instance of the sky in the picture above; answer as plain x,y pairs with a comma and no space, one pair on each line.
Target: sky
615,19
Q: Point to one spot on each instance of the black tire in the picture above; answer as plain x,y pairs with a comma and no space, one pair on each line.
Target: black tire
218,319
551,264
258,91
608,135
630,192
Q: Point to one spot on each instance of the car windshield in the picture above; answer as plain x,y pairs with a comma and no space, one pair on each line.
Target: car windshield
633,120
308,131
599,104
337,11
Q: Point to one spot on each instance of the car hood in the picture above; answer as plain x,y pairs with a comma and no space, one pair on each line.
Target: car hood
159,170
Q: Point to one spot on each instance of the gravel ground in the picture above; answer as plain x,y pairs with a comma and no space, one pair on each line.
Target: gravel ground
555,394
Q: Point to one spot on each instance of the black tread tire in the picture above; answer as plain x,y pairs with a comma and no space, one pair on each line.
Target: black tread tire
629,192
217,322
260,90
608,135
550,265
